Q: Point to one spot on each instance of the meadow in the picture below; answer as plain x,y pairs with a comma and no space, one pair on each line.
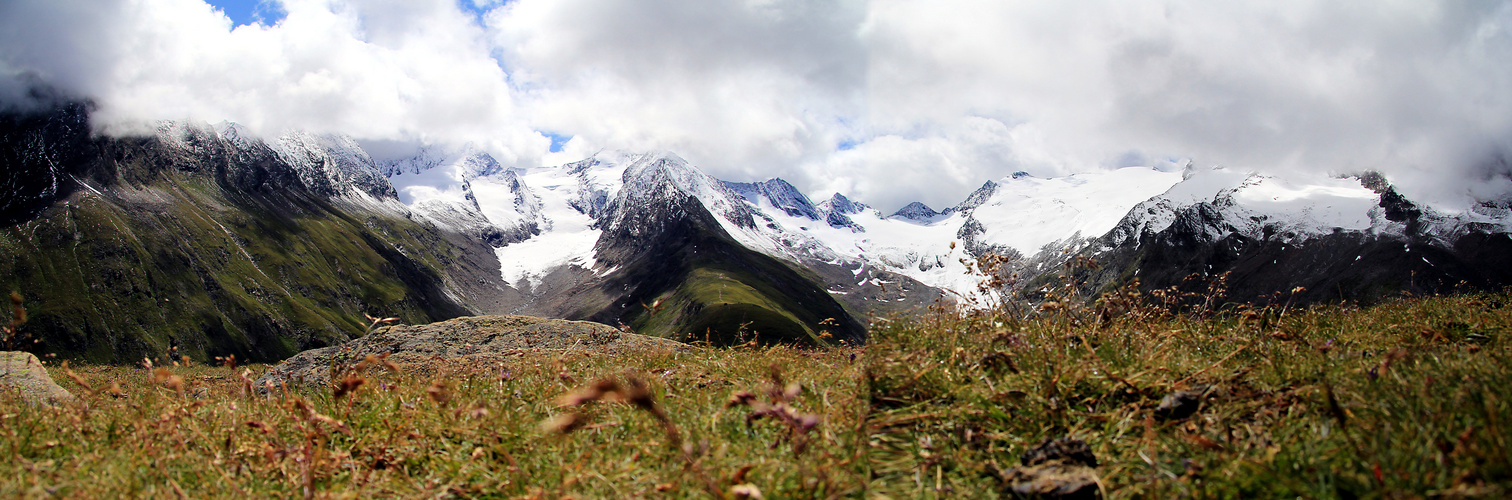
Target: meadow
1407,398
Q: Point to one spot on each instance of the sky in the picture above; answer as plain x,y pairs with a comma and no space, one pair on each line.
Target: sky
886,101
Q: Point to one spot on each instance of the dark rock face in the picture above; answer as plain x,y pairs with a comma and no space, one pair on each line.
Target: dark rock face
476,338
1340,266
40,155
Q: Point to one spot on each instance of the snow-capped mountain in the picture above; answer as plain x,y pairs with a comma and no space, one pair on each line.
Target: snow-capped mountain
1344,237
1019,215
1297,207
1039,223
856,248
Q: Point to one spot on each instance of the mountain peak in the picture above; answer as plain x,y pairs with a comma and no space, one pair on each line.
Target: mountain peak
917,211
839,204
981,195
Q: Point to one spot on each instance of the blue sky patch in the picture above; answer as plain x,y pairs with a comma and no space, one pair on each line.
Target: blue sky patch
557,141
244,12
471,7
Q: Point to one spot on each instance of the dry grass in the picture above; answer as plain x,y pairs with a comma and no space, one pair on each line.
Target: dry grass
1404,399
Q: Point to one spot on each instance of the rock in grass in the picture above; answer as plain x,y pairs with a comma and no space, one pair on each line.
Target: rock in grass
1068,450
23,373
1057,468
1179,405
474,338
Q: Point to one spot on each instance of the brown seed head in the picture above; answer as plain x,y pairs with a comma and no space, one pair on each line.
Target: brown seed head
174,382
439,392
742,398
349,384
564,423
636,392
18,313
791,392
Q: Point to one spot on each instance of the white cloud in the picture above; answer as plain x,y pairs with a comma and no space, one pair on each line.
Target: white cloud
413,70
930,98
745,89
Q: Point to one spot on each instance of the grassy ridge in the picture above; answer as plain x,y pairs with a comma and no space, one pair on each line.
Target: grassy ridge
712,301
1407,398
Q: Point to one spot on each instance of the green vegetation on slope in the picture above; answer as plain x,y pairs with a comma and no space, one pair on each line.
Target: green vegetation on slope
724,308
1406,398
178,262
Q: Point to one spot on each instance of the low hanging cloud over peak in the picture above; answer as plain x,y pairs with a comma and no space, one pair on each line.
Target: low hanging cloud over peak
889,101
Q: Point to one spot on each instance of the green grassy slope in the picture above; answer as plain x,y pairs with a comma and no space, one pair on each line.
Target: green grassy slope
156,248
108,282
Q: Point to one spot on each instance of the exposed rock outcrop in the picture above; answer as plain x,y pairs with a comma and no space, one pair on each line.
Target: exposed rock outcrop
473,337
23,373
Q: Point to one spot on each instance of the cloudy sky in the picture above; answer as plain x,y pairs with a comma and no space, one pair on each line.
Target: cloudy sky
890,101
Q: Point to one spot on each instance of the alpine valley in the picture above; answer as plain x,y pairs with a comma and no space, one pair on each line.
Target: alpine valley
211,241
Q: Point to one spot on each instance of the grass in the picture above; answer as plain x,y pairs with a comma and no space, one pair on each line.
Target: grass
1403,399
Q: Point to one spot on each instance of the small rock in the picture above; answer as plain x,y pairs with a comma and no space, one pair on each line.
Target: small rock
1059,468
22,372
1068,450
1054,481
1179,405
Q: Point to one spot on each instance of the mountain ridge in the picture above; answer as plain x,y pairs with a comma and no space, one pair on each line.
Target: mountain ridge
311,227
